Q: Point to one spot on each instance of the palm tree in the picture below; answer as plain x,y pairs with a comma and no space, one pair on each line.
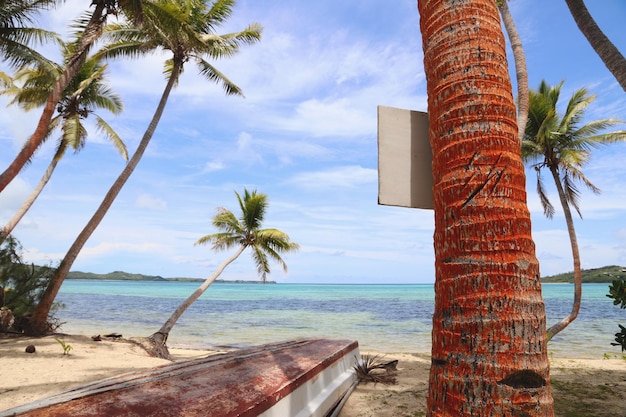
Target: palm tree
234,232
606,50
86,93
93,25
16,36
563,146
489,355
185,28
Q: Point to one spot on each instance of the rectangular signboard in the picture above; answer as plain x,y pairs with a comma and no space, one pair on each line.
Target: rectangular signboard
405,176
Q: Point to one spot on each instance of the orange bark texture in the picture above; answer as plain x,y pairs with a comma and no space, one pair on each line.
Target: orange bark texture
489,354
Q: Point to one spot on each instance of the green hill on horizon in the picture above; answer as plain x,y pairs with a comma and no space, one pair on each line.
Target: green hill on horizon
605,274
115,275
126,276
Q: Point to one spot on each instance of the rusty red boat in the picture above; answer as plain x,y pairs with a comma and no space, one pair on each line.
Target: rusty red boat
299,378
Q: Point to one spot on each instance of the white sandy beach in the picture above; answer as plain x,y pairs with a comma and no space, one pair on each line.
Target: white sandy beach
26,377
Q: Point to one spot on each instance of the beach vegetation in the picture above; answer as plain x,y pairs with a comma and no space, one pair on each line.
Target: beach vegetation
617,292
489,317
374,368
234,232
21,287
186,30
66,346
93,23
86,93
560,143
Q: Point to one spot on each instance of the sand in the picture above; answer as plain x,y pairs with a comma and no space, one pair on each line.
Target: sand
581,387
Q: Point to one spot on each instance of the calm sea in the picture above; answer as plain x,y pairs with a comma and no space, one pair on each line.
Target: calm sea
385,318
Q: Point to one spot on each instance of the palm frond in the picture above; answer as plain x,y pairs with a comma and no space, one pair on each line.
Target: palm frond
572,195
374,368
259,257
253,207
548,208
211,73
112,136
225,221
74,132
220,12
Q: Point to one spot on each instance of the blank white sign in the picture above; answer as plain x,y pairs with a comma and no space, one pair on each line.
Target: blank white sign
405,176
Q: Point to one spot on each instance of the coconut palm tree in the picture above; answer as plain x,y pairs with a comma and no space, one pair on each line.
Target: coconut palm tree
606,50
489,355
91,28
562,145
186,29
86,93
234,232
15,34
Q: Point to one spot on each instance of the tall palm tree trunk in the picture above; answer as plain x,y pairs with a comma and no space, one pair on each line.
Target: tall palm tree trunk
489,355
521,72
578,279
28,203
159,338
608,53
90,35
40,315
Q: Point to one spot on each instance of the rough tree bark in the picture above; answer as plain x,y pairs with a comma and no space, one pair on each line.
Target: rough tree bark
489,355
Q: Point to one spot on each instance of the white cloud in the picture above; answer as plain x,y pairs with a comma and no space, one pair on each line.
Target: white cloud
341,177
150,202
13,196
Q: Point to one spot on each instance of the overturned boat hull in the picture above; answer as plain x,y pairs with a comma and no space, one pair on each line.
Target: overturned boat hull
300,378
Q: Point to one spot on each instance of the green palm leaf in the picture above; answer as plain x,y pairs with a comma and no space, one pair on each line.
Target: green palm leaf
246,231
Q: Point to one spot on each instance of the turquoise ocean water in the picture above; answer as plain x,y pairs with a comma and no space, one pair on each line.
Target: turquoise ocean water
385,318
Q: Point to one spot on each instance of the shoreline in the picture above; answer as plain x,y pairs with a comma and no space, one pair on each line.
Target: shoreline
599,383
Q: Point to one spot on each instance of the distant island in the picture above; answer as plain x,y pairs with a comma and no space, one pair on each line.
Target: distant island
603,275
126,276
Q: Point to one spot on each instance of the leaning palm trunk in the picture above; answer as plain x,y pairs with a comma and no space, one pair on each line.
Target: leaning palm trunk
578,279
27,204
158,339
40,315
608,53
489,354
521,72
90,35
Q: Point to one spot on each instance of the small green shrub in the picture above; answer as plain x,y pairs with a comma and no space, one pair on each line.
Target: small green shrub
66,346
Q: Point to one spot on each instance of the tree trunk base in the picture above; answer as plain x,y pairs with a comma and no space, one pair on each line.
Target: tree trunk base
33,328
154,345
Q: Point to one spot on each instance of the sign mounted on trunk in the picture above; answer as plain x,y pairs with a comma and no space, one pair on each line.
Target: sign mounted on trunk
405,176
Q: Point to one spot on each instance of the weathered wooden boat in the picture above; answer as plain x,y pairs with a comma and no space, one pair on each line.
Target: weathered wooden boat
300,378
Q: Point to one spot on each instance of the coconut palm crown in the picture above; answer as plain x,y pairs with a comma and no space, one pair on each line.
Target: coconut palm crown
561,144
246,232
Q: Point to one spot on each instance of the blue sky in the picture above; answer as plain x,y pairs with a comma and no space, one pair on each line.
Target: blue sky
305,135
